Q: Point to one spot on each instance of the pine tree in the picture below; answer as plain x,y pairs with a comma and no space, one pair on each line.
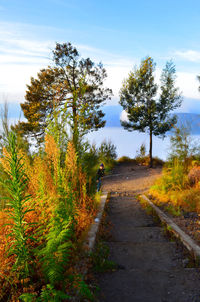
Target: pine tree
73,84
145,112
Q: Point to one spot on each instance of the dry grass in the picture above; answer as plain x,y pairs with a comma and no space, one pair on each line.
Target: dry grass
175,188
141,160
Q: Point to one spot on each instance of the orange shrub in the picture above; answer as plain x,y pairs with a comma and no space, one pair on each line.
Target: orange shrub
52,156
194,175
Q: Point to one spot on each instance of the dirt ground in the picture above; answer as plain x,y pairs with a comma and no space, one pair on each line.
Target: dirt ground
150,267
130,178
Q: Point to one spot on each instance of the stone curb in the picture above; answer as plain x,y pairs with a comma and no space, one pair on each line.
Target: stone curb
187,241
92,233
89,242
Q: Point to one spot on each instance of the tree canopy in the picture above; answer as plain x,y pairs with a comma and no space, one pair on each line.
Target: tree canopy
73,85
145,110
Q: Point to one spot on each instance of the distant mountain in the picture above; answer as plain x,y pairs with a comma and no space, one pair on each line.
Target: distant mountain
188,120
113,113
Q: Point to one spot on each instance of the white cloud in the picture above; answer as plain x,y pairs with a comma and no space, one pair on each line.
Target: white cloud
22,56
117,71
14,50
124,116
188,55
188,84
15,59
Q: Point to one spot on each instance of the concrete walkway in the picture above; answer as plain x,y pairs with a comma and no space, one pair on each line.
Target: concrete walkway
151,268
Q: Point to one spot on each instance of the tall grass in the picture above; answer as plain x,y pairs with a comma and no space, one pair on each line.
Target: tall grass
49,205
174,187
16,184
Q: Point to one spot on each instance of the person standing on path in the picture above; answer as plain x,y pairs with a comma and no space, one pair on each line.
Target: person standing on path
100,174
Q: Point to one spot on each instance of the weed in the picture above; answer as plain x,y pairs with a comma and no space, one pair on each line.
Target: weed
173,210
16,184
126,159
100,258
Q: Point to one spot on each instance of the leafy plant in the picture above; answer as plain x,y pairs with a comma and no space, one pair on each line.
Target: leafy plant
100,258
63,209
142,150
182,148
55,255
16,184
48,294
107,151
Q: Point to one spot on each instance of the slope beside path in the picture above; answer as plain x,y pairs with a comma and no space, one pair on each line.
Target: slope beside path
151,268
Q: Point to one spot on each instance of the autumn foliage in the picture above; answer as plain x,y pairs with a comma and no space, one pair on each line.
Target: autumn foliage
60,209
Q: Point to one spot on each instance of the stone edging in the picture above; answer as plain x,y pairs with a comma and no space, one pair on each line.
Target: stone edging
91,236
187,241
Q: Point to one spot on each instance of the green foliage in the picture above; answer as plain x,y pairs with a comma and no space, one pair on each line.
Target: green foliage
126,159
54,256
63,211
137,96
48,294
138,99
182,153
173,178
4,194
15,184
90,162
177,176
173,189
28,297
100,260
56,127
84,291
75,85
107,153
174,210
4,143
182,148
93,156
142,151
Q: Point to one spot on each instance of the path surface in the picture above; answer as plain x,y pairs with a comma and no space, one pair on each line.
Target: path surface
150,267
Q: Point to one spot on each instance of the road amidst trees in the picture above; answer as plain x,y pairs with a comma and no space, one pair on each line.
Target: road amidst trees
48,193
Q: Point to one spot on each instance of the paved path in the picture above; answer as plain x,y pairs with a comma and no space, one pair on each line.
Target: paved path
150,267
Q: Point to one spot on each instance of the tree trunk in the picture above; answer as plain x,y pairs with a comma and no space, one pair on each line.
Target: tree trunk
150,151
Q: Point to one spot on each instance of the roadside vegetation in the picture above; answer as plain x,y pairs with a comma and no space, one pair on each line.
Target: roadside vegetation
48,195
141,158
178,190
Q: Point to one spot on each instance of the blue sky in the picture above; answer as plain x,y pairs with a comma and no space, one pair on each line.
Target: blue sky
118,33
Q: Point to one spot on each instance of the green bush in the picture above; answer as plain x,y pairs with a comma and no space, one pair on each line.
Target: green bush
107,153
15,184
